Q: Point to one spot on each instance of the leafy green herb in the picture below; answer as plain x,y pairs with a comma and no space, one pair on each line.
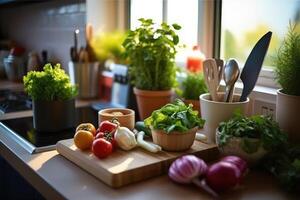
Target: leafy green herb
287,62
174,116
284,164
151,53
51,84
192,86
261,127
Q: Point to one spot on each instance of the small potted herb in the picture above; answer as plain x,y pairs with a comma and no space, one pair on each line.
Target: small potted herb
53,98
174,126
151,53
192,87
287,73
249,137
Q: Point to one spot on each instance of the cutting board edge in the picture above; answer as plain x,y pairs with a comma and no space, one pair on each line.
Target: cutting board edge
62,148
114,180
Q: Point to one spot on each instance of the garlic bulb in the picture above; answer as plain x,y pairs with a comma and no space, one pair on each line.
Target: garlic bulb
125,138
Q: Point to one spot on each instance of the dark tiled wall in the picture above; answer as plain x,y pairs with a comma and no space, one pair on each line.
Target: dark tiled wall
47,25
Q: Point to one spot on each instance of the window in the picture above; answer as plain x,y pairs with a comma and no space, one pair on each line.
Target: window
185,13
244,22
145,9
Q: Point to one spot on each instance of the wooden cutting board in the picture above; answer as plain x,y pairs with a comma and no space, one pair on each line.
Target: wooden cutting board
125,167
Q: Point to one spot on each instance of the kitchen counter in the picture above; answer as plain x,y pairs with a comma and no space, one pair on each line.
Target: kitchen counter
57,178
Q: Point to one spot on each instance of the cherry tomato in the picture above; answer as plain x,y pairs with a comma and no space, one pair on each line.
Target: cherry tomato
99,135
87,127
107,127
102,148
109,137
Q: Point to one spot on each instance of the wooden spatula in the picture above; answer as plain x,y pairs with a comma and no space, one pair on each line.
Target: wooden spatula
211,75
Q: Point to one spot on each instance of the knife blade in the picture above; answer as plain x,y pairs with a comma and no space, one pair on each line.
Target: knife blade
253,65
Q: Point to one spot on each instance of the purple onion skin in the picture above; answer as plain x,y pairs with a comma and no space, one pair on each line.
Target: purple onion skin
222,176
239,162
185,169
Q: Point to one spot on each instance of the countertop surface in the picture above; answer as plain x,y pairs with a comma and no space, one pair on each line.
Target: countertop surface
57,178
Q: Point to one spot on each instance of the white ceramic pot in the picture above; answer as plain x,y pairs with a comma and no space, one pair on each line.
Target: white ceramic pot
234,147
215,112
287,115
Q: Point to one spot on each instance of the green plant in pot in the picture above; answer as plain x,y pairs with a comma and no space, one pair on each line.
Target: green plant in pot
53,98
151,53
192,87
174,126
287,73
249,137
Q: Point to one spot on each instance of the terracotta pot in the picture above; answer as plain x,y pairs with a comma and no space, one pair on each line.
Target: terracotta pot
196,105
287,115
174,141
148,100
127,119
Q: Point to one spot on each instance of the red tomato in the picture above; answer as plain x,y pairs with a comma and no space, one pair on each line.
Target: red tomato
107,136
102,148
110,137
99,135
107,127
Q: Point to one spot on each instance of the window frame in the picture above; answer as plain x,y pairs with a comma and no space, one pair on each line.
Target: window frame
266,77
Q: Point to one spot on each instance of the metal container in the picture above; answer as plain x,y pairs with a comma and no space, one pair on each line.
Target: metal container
3,54
14,68
86,77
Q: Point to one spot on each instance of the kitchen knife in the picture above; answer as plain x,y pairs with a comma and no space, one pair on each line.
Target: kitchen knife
253,65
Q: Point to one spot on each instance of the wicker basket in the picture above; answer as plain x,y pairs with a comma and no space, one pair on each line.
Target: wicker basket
174,141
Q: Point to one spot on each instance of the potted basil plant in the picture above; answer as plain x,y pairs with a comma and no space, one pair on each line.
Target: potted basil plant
191,89
52,98
151,54
287,73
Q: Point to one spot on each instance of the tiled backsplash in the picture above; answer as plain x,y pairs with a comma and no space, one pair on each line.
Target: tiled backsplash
47,26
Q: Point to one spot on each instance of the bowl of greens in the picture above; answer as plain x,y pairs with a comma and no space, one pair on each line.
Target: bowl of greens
250,138
174,126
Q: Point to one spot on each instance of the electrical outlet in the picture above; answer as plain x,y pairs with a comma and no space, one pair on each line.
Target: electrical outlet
262,107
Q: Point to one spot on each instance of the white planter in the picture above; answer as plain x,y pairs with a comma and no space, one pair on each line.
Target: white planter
288,115
215,112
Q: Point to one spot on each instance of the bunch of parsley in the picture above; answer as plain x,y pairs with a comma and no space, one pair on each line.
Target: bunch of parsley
260,127
50,84
174,117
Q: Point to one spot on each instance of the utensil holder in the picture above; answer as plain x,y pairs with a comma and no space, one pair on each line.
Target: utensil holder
86,77
215,112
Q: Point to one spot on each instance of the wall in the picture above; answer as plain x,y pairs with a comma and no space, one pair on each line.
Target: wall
48,25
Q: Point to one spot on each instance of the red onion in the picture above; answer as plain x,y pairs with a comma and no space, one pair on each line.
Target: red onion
186,168
237,161
222,176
